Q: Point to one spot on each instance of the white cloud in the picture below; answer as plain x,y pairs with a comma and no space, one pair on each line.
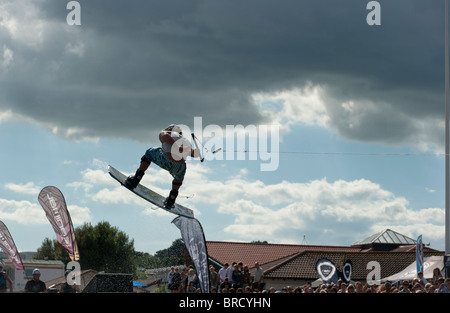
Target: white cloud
6,116
96,177
328,211
7,58
298,105
117,195
365,120
23,212
26,212
27,188
79,215
77,49
23,21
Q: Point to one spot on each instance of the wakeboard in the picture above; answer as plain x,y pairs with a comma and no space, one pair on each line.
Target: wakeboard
150,195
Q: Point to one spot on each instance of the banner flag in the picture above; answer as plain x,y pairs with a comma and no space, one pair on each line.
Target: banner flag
327,271
194,239
419,254
347,270
330,274
8,246
54,205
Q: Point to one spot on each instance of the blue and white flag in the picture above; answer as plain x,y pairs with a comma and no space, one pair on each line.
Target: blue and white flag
419,254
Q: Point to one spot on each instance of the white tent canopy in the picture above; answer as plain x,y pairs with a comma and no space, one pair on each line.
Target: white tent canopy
410,272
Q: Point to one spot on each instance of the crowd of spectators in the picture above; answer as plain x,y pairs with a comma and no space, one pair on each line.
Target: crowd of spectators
237,279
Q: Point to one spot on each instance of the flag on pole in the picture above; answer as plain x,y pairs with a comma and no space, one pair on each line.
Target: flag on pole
419,254
9,247
54,205
194,239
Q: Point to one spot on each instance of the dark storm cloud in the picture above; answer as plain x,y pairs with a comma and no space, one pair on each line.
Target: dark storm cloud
135,66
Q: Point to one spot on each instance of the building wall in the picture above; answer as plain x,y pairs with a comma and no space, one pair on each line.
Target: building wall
279,284
49,271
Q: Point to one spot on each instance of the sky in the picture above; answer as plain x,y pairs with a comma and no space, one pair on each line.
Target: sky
358,110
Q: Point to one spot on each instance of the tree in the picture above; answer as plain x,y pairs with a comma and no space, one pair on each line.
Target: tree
172,255
105,248
102,248
52,250
146,260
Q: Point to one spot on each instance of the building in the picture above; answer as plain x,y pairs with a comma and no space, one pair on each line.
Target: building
50,269
294,265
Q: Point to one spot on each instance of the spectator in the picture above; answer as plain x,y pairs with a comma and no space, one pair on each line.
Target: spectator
223,273
35,285
421,278
436,275
429,288
169,277
387,288
213,277
258,281
230,270
236,277
443,286
191,288
246,277
350,289
343,288
184,276
358,287
417,288
405,287
339,283
3,279
175,282
191,277
225,285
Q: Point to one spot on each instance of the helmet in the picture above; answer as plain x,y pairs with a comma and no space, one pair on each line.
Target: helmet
175,129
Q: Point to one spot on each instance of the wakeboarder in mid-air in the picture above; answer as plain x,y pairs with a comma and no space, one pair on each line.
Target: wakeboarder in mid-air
171,156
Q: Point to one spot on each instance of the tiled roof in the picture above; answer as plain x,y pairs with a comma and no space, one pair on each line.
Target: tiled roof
302,265
287,261
264,253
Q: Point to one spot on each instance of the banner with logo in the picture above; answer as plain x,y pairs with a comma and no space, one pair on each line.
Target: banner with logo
9,247
194,239
347,269
54,205
419,254
327,271
330,274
